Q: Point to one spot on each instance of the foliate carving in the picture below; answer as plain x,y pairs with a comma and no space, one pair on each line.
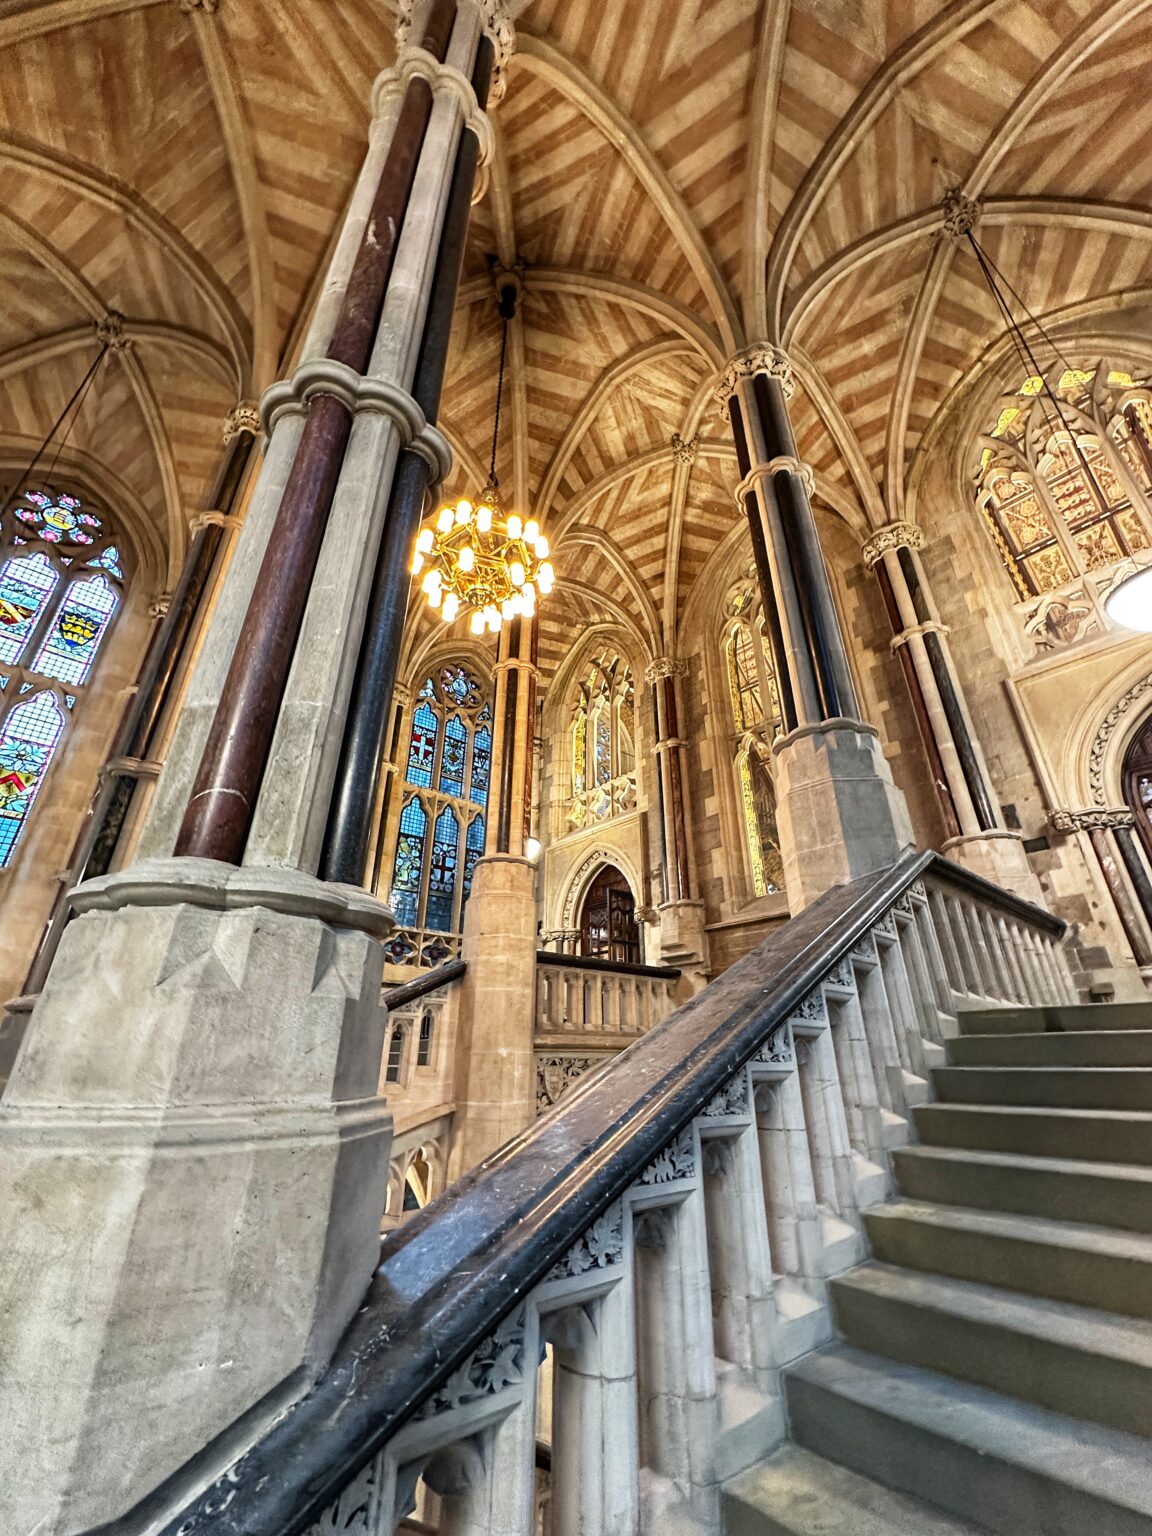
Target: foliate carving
1095,818
556,1074
244,417
110,332
354,1512
811,1008
777,1049
1107,730
762,358
731,1100
665,666
677,1161
683,450
496,24
886,924
961,213
493,1365
601,1246
841,975
865,949
891,536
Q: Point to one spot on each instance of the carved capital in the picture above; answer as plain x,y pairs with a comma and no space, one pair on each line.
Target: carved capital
683,449
401,695
761,358
110,332
1095,818
212,519
497,26
892,536
961,213
243,417
794,467
159,605
665,666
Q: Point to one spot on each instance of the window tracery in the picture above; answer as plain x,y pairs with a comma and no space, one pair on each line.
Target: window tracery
603,738
1065,494
441,828
754,708
61,585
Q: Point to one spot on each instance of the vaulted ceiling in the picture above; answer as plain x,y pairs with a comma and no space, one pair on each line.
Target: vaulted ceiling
677,177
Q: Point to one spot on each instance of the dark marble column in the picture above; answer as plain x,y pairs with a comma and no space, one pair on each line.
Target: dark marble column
1110,831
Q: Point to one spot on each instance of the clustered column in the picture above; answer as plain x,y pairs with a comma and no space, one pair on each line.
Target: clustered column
682,937
840,815
1111,831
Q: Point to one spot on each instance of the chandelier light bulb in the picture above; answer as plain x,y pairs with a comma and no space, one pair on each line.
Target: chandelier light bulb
517,573
466,559
417,563
531,530
509,608
434,597
515,527
1129,603
463,513
543,548
477,623
546,577
481,565
484,519
451,607
445,521
425,541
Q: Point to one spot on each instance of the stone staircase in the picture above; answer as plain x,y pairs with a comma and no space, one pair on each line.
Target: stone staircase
995,1369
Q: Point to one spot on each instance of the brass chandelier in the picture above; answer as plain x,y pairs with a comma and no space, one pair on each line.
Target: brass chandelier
474,559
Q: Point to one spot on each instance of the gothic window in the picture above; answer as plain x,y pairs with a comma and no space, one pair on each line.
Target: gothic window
61,584
1066,493
751,682
441,829
603,737
424,1039
1137,776
394,1061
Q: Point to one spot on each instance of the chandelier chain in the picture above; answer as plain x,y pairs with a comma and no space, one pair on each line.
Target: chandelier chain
499,399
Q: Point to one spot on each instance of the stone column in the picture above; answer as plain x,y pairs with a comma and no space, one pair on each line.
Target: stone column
1110,831
977,836
496,1077
839,813
193,1155
683,941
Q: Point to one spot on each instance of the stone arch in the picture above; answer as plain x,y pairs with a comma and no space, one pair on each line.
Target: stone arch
605,855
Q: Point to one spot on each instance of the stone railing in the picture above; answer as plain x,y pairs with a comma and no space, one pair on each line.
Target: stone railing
575,996
627,1277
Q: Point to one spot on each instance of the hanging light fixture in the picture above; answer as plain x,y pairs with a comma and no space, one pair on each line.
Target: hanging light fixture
1129,604
473,558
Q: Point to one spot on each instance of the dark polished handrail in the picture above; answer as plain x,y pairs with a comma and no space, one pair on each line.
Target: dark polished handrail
420,986
464,1262
607,967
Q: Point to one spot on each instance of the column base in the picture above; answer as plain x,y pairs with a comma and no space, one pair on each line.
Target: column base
684,943
998,856
838,811
193,1166
496,1081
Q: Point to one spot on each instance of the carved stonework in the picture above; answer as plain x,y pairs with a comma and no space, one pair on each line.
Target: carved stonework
841,975
961,213
556,1074
159,605
811,1008
110,332
600,1247
1108,728
496,24
892,536
731,1100
1095,818
677,1161
683,450
665,666
244,417
207,6
355,1511
763,358
777,1049
493,1365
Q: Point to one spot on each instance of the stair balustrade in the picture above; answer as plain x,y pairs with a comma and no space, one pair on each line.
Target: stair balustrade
578,996
664,1238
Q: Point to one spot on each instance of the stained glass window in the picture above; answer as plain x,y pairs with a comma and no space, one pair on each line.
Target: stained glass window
53,618
441,829
1065,491
30,735
603,741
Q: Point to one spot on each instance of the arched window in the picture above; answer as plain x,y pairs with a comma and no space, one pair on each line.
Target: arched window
754,708
603,737
61,584
443,804
1065,493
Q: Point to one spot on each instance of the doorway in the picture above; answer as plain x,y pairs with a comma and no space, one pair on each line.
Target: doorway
608,928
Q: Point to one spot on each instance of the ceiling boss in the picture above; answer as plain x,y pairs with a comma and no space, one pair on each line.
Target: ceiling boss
475,559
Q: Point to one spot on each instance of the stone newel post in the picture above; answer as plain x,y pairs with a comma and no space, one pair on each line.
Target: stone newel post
977,835
193,1155
839,813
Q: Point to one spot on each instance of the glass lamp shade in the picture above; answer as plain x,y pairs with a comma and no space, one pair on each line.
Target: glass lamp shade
1129,604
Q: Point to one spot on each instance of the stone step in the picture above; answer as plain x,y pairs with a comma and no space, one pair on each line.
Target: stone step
1095,1135
1101,1194
799,1494
1006,1465
1054,1016
1074,1360
1047,1087
1091,1266
1084,1048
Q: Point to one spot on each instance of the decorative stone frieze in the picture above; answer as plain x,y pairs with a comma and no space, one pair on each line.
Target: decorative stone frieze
961,213
897,535
677,1161
601,1246
495,1364
1093,819
761,358
110,332
776,1050
683,449
556,1074
731,1100
243,417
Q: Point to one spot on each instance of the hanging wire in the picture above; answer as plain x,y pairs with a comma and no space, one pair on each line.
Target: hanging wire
492,480
77,400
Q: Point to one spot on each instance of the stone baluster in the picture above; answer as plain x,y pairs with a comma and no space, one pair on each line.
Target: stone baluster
884,1045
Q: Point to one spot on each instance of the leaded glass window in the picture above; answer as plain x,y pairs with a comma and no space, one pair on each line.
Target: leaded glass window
1064,482
440,834
752,684
603,734
61,584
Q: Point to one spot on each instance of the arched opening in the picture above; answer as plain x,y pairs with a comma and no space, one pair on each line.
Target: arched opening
1137,782
608,928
